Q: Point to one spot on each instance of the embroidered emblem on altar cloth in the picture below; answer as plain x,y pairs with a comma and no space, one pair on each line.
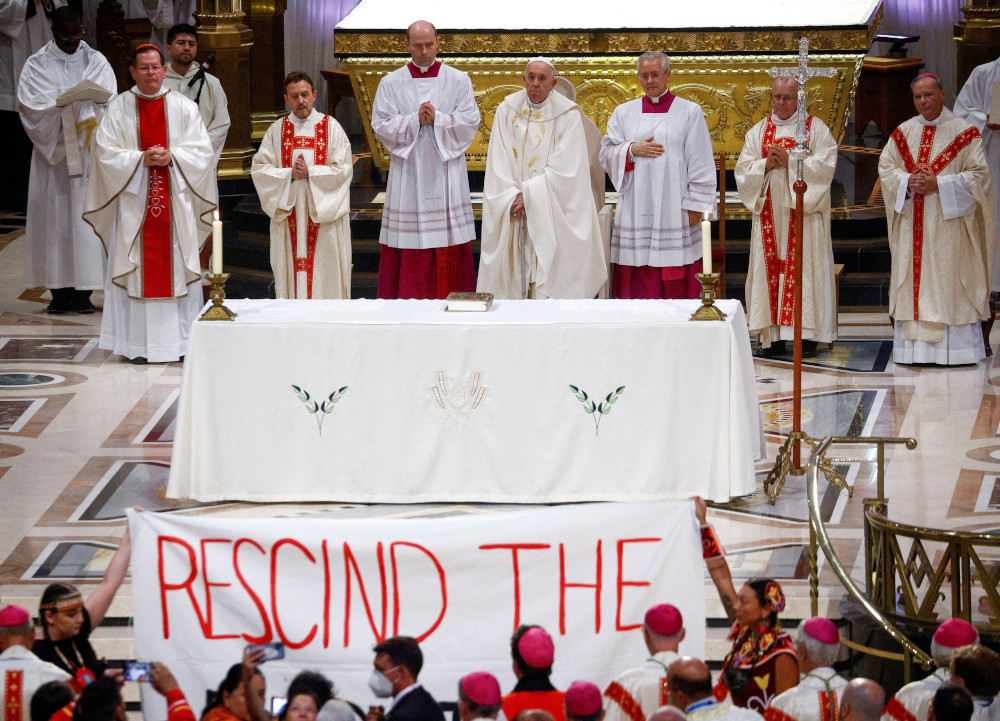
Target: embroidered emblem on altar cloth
317,408
597,410
458,401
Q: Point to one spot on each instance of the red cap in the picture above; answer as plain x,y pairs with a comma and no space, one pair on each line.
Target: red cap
955,633
583,699
536,648
14,616
822,629
481,688
664,620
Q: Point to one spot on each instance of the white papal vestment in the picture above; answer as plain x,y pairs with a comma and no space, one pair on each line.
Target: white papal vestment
21,674
555,252
913,701
816,698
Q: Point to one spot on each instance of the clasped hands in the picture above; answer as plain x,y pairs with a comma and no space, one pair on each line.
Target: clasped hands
156,157
300,169
426,113
777,156
922,181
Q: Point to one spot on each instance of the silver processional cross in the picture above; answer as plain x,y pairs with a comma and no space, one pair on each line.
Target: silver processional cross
802,73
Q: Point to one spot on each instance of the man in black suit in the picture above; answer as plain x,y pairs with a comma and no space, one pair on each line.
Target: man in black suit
398,661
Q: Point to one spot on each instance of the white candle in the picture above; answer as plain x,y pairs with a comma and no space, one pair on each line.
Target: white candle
706,246
217,245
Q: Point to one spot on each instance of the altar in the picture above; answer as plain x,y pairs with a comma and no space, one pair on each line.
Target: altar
375,401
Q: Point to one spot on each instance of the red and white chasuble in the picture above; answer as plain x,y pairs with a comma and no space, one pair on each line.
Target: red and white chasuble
310,224
816,698
304,257
770,286
635,694
13,695
942,244
23,673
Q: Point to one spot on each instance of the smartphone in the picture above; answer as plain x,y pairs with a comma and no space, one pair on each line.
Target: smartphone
138,671
278,704
272,651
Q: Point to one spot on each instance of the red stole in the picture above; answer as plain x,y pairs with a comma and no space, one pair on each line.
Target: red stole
772,265
432,71
157,259
13,706
318,144
936,166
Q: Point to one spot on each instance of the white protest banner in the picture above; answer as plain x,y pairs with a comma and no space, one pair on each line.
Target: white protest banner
330,589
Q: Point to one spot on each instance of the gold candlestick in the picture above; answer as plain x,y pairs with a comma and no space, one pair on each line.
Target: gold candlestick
708,310
218,294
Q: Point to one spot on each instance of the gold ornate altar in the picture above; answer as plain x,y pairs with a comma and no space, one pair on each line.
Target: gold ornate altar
723,71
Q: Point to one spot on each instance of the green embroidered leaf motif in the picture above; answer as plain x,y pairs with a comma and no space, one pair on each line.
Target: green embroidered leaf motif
572,388
296,389
584,394
620,390
609,396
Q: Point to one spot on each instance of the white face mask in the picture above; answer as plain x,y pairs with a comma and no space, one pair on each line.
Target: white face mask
380,684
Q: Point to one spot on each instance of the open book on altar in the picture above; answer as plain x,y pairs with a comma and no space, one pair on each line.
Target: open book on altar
85,90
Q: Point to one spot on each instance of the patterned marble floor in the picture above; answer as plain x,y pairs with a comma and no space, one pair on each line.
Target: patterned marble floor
84,435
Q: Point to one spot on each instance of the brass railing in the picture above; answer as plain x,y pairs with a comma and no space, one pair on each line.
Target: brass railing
818,537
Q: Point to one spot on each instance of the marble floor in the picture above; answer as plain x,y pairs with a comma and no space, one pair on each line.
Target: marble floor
84,435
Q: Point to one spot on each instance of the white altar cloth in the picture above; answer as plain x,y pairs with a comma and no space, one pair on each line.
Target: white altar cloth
422,405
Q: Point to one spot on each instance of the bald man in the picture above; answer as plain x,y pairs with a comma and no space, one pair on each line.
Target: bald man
667,713
861,700
425,114
689,684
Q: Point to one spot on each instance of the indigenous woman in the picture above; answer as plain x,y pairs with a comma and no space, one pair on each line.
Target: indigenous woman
761,662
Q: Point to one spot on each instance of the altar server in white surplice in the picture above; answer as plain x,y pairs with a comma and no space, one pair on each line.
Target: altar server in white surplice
541,237
973,104
62,252
25,28
425,113
150,200
206,93
303,175
658,153
764,176
942,232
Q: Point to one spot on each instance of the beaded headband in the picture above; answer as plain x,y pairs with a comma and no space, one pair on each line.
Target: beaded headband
66,603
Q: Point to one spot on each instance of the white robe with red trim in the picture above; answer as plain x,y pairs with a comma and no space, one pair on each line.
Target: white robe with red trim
948,257
913,701
713,710
816,698
21,674
310,222
118,195
635,694
427,202
651,219
540,151
769,238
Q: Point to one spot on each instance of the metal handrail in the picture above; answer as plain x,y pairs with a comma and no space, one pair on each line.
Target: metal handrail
820,537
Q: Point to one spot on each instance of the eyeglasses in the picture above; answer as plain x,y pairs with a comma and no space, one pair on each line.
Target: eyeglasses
148,68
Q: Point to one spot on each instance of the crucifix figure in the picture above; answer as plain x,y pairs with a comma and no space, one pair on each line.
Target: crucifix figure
799,153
